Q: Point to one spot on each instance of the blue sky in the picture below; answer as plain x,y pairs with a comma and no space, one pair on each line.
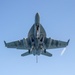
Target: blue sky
58,19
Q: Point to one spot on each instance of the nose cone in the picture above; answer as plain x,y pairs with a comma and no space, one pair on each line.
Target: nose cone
37,18
37,14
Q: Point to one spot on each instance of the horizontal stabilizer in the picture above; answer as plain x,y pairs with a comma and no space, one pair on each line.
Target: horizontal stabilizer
47,54
26,53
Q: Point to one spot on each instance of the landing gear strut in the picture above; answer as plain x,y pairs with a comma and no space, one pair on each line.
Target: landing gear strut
45,51
29,51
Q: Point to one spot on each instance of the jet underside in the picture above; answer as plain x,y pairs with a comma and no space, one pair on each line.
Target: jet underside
37,42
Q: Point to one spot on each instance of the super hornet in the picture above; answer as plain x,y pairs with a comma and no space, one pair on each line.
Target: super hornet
36,43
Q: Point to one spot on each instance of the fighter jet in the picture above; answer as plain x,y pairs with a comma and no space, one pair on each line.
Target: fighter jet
37,42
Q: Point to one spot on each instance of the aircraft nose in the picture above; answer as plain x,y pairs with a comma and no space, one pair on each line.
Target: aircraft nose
37,14
37,18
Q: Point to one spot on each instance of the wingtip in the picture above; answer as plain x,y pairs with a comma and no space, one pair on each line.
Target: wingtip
5,43
68,41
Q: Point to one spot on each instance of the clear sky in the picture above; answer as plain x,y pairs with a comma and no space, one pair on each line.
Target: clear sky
58,19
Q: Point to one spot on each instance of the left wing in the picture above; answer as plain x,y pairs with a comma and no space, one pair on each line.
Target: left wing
51,43
20,44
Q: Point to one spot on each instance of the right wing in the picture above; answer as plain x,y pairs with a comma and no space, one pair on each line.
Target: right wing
52,44
20,44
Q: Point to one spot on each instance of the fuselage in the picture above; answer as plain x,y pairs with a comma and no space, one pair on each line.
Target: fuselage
37,37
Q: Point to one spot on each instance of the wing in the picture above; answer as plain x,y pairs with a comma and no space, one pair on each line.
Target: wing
20,44
51,43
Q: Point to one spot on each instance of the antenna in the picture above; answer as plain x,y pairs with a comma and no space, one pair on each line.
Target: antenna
36,58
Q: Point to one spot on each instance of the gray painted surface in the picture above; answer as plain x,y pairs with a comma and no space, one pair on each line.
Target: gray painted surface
37,42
